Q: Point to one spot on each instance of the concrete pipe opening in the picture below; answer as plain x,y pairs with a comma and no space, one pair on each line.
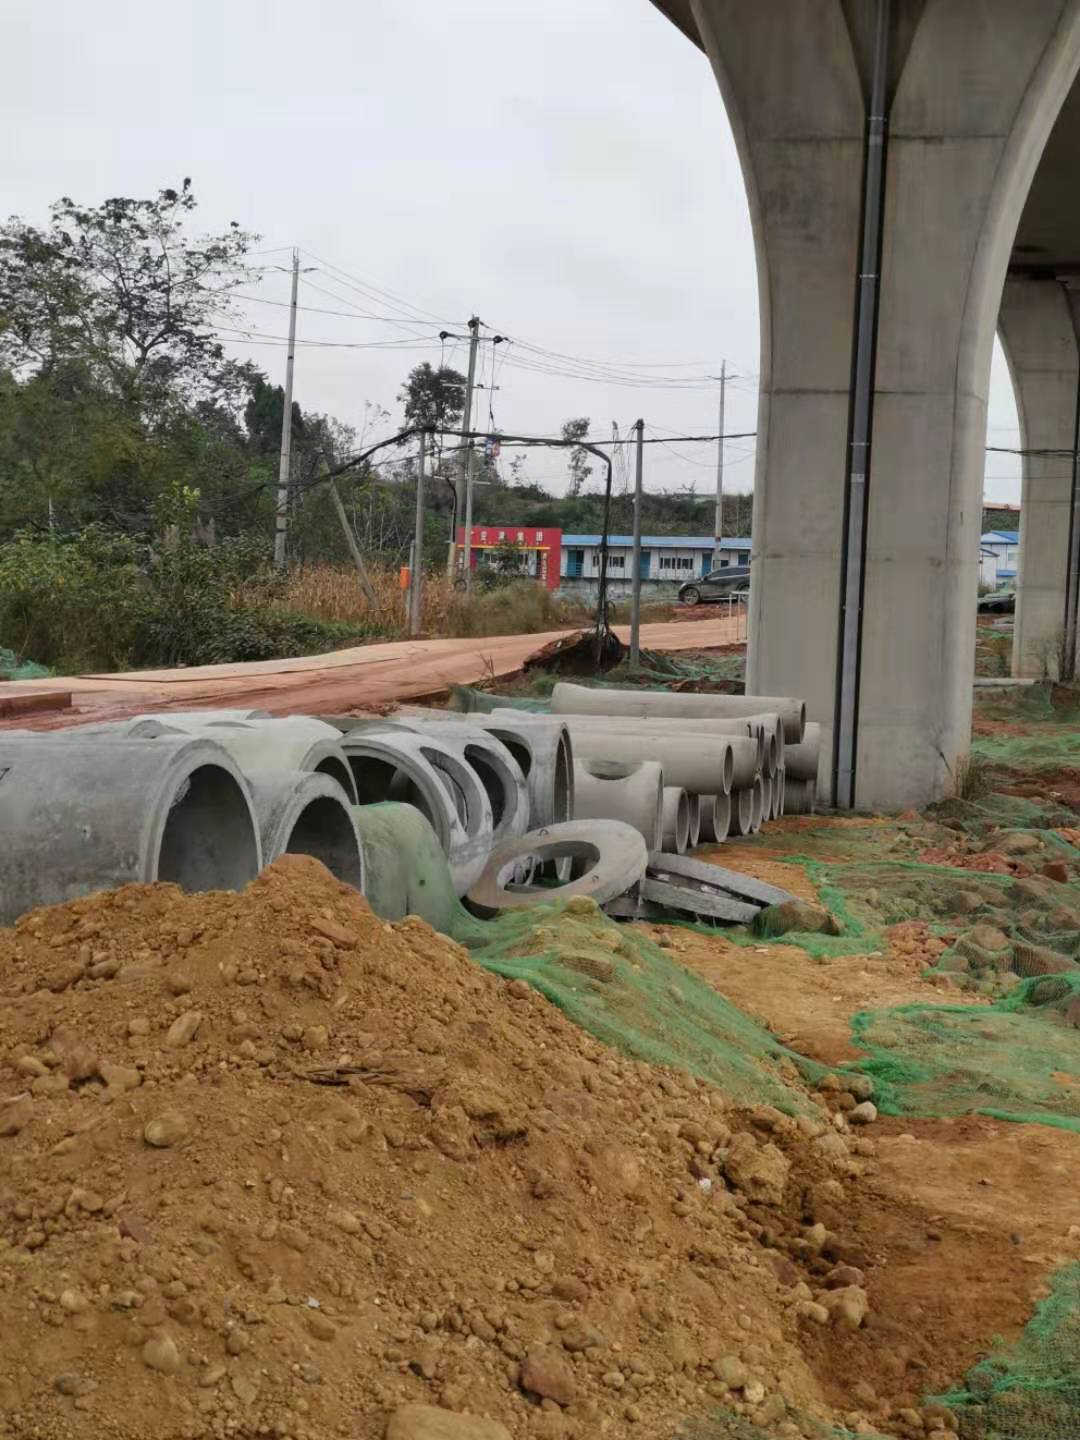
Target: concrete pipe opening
340,770
721,821
742,811
207,841
324,830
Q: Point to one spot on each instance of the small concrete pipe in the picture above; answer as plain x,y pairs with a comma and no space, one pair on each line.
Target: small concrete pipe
422,770
801,761
567,699
694,838
289,742
715,817
634,794
675,820
84,813
741,819
302,812
779,783
799,796
759,802
680,738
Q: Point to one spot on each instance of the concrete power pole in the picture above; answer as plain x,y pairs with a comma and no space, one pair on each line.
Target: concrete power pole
466,426
719,530
635,578
281,519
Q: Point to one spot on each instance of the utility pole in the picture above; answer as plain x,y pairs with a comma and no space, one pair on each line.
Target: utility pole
719,531
281,519
466,426
415,582
635,579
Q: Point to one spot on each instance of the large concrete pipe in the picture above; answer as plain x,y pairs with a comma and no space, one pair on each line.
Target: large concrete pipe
801,761
301,812
496,768
759,803
567,699
406,872
680,741
634,794
741,818
542,746
714,812
421,770
675,820
79,814
290,742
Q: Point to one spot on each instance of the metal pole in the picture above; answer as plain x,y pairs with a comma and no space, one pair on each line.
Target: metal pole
1067,663
415,581
861,424
281,518
719,529
635,579
466,426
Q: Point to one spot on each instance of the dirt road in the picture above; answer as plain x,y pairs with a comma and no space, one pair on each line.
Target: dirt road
343,680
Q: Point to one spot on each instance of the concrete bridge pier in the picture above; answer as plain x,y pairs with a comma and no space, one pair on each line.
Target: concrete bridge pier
1038,331
972,88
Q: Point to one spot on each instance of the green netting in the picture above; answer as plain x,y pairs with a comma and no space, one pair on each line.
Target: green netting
620,986
12,668
1029,1390
1016,1059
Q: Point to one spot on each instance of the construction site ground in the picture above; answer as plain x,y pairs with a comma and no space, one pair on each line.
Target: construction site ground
269,1167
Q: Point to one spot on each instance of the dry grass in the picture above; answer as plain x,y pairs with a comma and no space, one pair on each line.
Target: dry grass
330,593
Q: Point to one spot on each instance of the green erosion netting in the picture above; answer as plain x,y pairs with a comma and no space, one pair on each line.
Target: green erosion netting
621,987
1030,1389
1016,1059
12,668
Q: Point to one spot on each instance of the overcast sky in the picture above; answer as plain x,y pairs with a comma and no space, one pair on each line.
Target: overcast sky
562,168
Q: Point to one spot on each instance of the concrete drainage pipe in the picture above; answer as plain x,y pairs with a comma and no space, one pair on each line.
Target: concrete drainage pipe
495,767
714,812
423,771
693,839
779,782
682,747
567,699
801,761
634,794
760,797
305,813
799,796
292,742
542,746
611,855
90,813
675,820
741,820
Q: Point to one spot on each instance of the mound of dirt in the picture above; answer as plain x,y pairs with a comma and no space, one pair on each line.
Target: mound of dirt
270,1167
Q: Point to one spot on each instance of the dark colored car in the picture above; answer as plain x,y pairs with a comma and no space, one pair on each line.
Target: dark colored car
1001,602
716,585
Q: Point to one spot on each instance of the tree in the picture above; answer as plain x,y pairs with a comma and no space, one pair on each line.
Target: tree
263,415
579,466
434,398
120,287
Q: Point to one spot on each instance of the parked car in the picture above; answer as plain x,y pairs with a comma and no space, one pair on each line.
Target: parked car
716,585
1000,602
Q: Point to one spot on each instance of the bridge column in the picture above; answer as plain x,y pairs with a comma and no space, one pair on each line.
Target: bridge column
973,89
1038,333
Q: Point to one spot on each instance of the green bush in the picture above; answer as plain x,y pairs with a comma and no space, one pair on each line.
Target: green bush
100,600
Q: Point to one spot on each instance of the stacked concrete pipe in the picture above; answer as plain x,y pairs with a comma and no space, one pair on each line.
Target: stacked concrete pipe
633,794
675,820
292,742
568,699
495,767
85,813
714,812
395,764
693,839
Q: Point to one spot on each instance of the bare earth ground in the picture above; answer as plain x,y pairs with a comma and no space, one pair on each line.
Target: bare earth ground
965,1218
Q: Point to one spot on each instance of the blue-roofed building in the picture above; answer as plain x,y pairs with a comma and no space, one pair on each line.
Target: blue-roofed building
999,551
666,560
